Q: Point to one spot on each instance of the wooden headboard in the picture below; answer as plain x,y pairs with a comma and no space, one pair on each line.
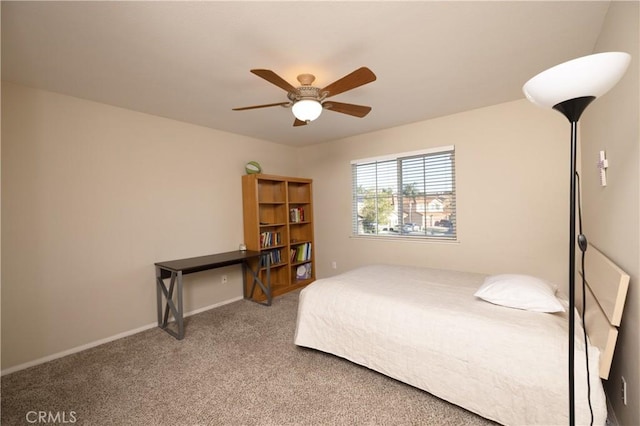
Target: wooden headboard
607,286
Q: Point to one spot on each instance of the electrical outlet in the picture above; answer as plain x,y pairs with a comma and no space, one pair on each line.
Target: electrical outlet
334,265
623,390
224,279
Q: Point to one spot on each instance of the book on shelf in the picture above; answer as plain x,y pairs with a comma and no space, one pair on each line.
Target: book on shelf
273,256
296,214
301,252
269,239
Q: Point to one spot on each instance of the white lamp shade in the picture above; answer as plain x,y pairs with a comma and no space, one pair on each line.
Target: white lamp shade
307,109
592,75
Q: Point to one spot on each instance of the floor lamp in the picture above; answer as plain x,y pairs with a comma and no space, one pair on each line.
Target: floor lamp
569,88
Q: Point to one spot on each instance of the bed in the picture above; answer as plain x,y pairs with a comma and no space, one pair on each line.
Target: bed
426,327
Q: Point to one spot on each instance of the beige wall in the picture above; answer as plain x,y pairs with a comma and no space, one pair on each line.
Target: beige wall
612,213
512,193
92,196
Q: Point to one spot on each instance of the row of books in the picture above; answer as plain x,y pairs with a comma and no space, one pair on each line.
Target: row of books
301,253
269,239
273,256
296,214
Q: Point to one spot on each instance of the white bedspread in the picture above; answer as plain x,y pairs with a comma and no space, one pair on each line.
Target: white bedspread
424,327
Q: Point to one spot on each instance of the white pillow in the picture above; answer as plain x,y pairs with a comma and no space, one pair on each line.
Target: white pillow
520,292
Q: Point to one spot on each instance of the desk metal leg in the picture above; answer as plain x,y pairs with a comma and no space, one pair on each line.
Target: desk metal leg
269,295
180,314
163,314
266,288
159,285
245,292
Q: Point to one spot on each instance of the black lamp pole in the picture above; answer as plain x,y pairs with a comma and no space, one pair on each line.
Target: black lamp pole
561,88
573,109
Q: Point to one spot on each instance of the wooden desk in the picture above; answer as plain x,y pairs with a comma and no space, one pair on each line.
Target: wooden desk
175,269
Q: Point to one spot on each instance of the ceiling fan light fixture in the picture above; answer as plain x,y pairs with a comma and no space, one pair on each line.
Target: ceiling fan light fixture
307,109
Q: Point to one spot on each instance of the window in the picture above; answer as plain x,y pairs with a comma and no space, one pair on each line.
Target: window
406,195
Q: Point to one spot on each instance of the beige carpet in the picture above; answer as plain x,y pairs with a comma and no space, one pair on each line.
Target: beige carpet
237,365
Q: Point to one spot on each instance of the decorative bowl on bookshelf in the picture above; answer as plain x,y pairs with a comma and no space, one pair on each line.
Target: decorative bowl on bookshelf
252,167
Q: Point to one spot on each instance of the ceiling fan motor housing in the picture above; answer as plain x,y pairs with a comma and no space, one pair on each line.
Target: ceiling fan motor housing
306,92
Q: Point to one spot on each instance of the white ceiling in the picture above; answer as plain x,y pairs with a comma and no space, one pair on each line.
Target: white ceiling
190,61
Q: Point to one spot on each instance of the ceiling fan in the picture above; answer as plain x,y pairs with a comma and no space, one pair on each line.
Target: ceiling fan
307,101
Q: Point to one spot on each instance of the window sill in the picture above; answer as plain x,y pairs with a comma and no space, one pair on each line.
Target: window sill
422,240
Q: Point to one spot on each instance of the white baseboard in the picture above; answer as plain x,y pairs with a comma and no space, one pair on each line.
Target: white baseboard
106,340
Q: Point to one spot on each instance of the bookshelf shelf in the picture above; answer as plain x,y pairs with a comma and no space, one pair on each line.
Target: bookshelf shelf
278,210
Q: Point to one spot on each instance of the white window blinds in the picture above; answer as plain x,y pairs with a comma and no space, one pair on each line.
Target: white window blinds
406,195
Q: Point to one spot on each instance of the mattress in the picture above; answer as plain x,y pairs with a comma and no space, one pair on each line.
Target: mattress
426,328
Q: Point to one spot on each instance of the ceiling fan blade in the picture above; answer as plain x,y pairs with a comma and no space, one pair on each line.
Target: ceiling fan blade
297,123
274,78
260,106
357,78
351,109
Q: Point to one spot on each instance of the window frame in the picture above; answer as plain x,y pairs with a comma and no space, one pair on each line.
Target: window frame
426,231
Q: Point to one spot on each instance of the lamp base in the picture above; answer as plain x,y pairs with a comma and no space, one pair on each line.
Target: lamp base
573,108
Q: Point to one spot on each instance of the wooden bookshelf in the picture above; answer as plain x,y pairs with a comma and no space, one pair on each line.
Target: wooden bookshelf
278,221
